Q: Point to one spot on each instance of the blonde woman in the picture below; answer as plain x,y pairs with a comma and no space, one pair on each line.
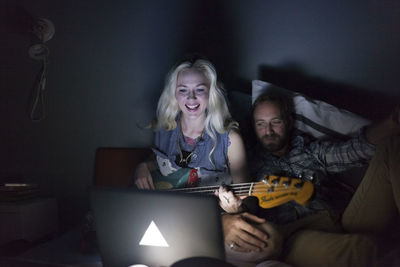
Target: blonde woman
194,130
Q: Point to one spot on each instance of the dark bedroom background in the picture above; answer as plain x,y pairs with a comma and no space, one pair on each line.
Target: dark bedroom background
108,60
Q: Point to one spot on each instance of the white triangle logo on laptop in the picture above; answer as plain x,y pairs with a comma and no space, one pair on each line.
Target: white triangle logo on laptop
153,237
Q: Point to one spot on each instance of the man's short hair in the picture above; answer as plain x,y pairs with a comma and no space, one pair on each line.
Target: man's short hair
283,101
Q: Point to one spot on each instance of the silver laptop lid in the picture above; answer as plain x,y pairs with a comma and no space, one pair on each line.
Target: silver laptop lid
155,228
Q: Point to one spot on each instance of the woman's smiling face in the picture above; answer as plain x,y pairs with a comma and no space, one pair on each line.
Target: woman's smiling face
192,92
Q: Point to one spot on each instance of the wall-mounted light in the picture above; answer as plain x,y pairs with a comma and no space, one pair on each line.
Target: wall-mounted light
44,30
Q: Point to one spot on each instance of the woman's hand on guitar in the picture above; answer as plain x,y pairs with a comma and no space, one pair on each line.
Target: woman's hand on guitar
228,201
142,177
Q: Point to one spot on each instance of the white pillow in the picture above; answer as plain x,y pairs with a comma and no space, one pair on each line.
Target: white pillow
316,117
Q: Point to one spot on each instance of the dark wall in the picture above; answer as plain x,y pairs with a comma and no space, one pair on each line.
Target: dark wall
108,60
343,52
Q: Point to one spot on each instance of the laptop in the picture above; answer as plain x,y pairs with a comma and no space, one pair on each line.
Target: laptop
155,228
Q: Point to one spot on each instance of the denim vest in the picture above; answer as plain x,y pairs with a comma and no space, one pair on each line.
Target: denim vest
209,173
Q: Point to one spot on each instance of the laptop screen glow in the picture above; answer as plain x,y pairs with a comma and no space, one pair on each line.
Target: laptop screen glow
153,237
152,227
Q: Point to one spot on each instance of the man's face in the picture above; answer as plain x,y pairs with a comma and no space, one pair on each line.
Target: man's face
270,128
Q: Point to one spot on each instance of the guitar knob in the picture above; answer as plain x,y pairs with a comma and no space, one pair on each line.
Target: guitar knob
299,185
286,184
308,176
265,182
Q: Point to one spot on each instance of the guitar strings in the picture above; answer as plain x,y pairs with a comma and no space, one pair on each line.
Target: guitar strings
239,188
234,187
242,185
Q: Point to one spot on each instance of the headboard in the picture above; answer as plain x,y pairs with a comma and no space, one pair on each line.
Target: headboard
115,166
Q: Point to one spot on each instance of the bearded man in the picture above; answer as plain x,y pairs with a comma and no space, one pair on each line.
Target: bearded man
316,234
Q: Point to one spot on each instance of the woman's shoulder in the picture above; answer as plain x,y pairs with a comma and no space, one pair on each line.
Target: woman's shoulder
165,125
163,135
234,133
166,128
235,138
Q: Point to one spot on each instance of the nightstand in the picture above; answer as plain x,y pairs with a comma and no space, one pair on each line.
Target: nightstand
29,219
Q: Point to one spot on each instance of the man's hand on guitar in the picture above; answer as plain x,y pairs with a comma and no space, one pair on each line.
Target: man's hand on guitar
142,177
241,235
228,201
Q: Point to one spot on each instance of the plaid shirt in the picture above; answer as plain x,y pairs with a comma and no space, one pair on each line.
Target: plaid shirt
311,159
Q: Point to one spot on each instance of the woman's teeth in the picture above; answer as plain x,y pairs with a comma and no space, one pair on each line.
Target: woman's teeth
192,107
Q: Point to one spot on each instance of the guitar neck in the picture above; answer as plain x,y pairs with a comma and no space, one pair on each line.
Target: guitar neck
238,189
272,191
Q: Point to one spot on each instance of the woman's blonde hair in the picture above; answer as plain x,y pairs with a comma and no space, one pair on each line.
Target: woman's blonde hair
218,117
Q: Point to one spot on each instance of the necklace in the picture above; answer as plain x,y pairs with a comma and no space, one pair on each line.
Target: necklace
185,156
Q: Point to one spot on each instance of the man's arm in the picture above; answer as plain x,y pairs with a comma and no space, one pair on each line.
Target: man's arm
357,151
375,133
241,235
250,239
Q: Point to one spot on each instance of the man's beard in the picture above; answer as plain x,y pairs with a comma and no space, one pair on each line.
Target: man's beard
276,142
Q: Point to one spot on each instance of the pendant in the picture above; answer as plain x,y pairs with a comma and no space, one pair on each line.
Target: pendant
184,160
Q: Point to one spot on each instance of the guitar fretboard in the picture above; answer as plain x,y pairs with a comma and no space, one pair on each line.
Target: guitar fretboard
272,191
240,189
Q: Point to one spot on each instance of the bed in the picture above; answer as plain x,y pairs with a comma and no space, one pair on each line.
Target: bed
114,166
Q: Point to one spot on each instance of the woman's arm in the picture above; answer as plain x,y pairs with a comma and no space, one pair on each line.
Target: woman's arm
142,176
238,170
237,158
